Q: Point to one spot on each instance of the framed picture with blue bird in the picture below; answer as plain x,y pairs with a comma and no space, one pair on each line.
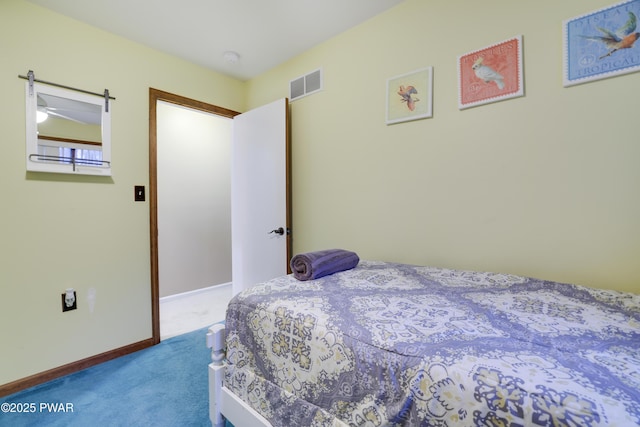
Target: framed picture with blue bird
410,96
490,74
602,43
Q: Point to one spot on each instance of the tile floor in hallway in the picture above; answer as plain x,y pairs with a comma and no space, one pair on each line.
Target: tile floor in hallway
193,310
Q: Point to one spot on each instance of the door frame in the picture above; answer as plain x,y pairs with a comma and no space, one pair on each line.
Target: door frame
156,95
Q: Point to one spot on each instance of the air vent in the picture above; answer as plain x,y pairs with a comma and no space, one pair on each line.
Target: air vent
305,85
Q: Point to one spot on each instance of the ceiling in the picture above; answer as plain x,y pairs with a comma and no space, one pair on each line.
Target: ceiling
264,33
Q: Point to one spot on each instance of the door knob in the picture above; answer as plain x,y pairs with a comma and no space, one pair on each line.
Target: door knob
279,231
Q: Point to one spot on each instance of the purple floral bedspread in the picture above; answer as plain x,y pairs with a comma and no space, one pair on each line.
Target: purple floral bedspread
397,345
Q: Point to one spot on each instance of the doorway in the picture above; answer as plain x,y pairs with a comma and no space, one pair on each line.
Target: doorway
194,200
155,96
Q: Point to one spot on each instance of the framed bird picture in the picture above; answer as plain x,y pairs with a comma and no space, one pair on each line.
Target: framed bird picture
493,73
410,96
602,44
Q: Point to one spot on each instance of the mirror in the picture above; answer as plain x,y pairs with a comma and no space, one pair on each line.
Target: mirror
67,131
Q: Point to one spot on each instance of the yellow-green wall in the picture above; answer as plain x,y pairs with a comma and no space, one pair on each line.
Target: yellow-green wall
64,128
547,185
60,231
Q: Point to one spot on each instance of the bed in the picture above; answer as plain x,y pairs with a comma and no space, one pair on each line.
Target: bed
387,344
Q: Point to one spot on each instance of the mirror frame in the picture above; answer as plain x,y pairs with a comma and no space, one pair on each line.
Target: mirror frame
35,165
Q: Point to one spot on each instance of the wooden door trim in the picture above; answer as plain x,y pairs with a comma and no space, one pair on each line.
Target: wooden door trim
156,95
288,180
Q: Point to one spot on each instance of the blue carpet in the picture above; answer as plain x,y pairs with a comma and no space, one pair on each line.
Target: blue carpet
164,385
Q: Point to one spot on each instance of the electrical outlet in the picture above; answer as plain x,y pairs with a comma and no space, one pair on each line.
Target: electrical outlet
69,300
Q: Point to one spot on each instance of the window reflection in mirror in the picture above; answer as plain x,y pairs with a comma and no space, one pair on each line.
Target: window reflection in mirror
67,131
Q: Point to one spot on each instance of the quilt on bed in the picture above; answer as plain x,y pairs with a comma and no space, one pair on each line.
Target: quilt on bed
397,345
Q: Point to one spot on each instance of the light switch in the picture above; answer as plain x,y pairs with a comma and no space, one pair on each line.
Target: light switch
139,193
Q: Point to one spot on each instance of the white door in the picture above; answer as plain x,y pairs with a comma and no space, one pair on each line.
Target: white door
259,192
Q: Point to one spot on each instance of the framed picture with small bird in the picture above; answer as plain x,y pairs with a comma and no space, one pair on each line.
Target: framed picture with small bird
601,44
490,74
410,96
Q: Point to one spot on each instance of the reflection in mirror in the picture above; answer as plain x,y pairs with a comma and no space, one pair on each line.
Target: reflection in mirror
67,131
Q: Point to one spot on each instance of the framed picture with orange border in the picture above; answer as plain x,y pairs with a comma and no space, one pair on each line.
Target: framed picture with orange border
491,74
410,96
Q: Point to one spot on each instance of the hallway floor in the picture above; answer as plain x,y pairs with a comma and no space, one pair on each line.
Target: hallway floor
189,311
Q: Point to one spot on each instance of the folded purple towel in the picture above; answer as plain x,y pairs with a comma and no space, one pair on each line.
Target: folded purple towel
313,265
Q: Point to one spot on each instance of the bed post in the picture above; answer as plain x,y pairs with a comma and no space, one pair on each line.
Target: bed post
216,342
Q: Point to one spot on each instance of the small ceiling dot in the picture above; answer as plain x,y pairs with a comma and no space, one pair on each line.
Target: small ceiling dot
231,57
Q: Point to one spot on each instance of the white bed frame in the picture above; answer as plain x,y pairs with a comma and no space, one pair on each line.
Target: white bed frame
223,404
